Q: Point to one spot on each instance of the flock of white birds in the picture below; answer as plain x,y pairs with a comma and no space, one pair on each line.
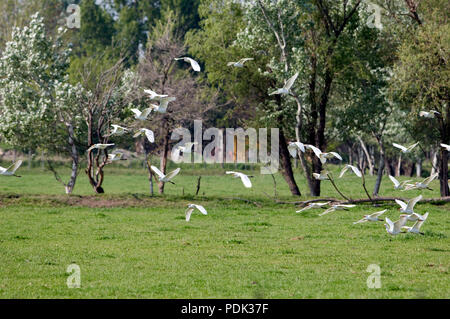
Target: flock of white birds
393,228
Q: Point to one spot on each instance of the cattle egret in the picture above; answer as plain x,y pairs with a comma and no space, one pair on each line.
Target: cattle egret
165,178
194,64
286,89
99,146
295,147
431,114
11,170
395,228
141,116
405,149
118,130
164,100
354,169
321,155
415,229
148,133
397,184
191,208
312,206
154,95
244,178
422,185
323,176
336,207
116,156
371,218
240,63
447,147
408,208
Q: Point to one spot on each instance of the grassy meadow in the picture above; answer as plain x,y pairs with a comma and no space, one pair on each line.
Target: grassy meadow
131,245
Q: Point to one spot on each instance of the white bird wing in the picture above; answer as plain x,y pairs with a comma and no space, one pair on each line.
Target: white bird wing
413,202
390,223
145,113
430,178
304,208
394,180
290,82
201,209
356,171
15,166
329,210
419,222
230,63
343,171
336,155
376,214
314,149
173,173
412,146
2,170
136,111
150,135
400,147
346,206
194,64
400,223
361,221
245,180
242,61
445,146
423,113
401,203
188,213
157,171
231,172
276,92
292,148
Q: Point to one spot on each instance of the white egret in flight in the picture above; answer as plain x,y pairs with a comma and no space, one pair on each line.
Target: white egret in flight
397,184
394,228
99,146
295,147
337,207
312,206
371,218
286,89
191,208
415,229
405,149
408,208
194,64
321,155
354,169
147,133
141,116
240,63
118,130
422,185
430,114
165,178
244,178
11,170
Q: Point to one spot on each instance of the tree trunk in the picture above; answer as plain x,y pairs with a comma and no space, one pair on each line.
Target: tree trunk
443,173
399,166
368,158
164,155
287,166
434,163
75,161
419,167
381,165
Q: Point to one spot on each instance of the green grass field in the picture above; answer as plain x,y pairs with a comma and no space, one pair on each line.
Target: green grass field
131,245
